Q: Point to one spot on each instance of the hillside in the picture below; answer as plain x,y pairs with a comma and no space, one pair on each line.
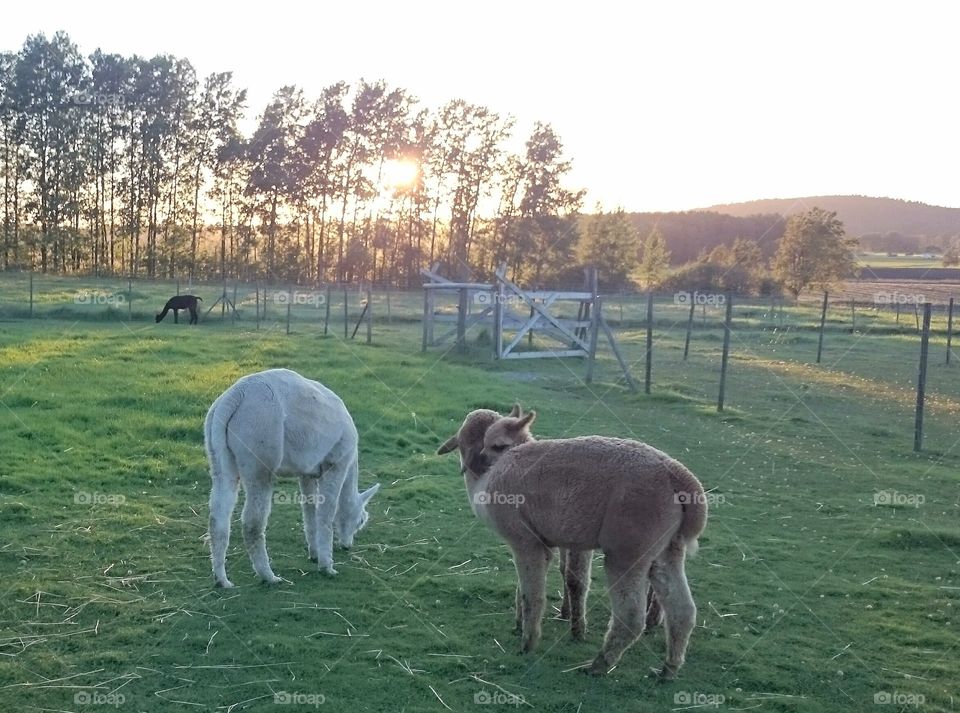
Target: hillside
861,214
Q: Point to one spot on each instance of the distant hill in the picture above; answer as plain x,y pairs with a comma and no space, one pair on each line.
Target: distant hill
861,214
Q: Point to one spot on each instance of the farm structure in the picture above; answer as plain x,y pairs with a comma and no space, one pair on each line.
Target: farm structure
513,313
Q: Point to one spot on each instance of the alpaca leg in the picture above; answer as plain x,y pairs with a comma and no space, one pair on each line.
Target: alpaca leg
670,585
193,315
654,610
309,495
518,610
565,604
256,512
576,585
223,498
327,496
176,319
532,560
627,584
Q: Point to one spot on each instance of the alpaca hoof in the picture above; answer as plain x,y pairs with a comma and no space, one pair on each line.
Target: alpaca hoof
527,646
578,634
599,667
224,583
667,673
328,570
272,579
314,558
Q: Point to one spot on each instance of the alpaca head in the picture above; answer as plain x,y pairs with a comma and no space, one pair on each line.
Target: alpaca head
469,439
159,317
483,432
506,433
352,516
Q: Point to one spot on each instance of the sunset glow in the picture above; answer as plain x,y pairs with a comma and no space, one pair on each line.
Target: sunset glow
399,173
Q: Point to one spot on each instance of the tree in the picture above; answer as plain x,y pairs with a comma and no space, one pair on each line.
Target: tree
656,258
951,256
813,252
610,243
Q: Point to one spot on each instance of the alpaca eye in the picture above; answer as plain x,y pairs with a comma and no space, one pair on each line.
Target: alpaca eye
500,447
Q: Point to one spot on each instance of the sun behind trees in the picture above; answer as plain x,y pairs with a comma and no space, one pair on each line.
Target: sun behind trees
134,166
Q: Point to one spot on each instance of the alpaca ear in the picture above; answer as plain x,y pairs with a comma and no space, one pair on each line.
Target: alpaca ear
369,493
516,411
450,444
528,418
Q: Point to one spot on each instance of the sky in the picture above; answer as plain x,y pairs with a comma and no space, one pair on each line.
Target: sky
660,105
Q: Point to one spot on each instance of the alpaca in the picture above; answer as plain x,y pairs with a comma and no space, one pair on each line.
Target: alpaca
178,303
575,566
643,509
278,423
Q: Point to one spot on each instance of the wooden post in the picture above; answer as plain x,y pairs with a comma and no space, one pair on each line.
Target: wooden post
898,313
426,318
234,305
916,314
686,342
823,319
462,321
370,315
498,320
389,315
130,298
594,335
345,325
922,378
853,315
649,362
949,327
178,285
256,287
326,312
289,302
726,351
31,294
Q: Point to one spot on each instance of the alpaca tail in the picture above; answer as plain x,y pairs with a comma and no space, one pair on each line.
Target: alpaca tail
222,465
200,298
690,494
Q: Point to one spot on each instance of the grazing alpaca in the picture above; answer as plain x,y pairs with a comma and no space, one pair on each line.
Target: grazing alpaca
178,303
502,435
275,423
638,505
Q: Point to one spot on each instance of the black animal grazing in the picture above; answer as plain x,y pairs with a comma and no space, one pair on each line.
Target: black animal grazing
178,303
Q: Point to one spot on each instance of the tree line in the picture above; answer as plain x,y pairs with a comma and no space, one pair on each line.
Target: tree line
137,166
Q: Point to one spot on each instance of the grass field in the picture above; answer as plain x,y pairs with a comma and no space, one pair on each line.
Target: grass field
828,577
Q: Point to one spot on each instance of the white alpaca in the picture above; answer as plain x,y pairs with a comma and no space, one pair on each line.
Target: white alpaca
276,423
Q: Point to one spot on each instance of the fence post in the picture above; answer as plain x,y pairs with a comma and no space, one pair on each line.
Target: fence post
594,335
234,303
130,299
256,287
686,342
726,351
949,327
178,285
922,378
853,315
389,315
369,316
31,294
426,318
345,326
289,301
326,312
462,321
823,319
649,363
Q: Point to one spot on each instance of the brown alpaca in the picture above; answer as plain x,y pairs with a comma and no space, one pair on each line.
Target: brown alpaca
178,303
639,506
575,566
